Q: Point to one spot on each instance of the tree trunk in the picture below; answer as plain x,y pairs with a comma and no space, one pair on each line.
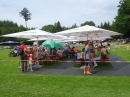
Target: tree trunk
26,23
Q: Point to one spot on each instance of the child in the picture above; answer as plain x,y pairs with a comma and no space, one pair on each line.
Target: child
31,63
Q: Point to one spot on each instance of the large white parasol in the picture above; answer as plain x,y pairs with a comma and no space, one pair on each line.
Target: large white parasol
30,34
88,32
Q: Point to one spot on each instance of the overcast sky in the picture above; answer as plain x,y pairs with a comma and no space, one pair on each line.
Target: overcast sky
68,12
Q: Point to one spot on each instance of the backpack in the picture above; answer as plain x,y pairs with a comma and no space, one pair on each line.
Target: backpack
20,51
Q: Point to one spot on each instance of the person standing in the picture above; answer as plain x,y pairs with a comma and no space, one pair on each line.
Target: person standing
23,57
87,57
31,62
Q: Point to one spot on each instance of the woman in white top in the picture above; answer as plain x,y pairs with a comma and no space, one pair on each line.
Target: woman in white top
59,52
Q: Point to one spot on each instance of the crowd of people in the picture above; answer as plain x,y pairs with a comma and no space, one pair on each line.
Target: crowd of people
31,56
90,51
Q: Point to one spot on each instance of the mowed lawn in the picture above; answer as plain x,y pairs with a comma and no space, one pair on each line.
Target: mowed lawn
13,83
121,51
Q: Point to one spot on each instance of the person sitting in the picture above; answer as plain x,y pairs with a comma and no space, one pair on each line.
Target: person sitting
75,52
59,52
66,53
98,53
83,54
42,54
80,56
54,52
104,53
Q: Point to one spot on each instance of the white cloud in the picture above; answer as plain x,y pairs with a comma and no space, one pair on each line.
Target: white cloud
67,12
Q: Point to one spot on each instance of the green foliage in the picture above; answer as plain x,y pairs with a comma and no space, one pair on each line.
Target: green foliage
49,28
122,20
106,25
8,27
122,51
53,28
25,14
74,26
58,26
91,23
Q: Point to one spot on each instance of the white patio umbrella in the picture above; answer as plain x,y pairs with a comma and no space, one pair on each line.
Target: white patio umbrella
83,39
54,38
88,31
94,38
32,34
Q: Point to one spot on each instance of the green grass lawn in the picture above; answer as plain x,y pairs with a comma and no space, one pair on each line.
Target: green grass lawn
13,83
103,65
122,51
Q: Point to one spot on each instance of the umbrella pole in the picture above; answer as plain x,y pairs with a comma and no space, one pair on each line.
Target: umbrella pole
37,61
37,41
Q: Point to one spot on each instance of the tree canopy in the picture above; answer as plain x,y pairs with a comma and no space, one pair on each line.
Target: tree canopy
49,28
91,23
8,27
122,20
25,14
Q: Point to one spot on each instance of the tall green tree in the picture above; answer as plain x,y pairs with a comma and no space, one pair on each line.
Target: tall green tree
58,26
122,20
25,14
106,25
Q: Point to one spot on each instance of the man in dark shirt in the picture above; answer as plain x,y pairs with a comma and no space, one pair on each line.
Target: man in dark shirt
23,57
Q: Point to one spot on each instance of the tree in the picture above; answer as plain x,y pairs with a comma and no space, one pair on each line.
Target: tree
74,26
91,23
25,14
122,20
8,27
49,28
58,26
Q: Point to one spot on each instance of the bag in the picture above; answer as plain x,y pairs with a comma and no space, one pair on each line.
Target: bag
20,51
